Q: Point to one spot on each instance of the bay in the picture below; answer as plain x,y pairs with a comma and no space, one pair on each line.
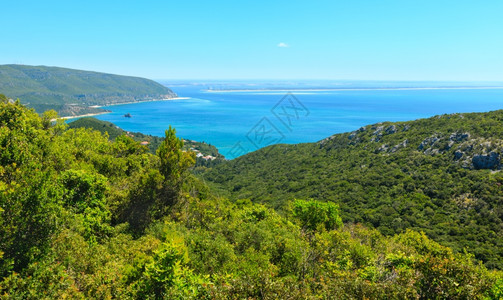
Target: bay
242,121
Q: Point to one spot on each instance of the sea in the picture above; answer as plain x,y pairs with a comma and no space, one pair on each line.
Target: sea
240,117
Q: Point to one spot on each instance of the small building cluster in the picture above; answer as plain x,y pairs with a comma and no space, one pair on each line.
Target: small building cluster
205,157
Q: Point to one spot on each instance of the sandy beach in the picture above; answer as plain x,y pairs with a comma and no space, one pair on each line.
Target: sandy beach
106,112
352,89
132,102
80,116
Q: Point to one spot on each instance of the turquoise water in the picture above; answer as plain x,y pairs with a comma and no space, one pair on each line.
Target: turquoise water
240,122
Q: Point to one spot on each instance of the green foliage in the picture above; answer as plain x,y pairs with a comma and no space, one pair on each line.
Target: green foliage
415,175
313,214
85,195
98,125
174,161
84,217
496,291
161,273
26,188
153,141
167,277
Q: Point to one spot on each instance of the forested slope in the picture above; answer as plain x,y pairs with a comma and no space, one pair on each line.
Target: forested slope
73,92
83,217
440,175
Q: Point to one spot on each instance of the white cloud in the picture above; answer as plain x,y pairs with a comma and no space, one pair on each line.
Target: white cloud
283,45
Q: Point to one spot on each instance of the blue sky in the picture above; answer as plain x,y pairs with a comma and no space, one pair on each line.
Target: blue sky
368,40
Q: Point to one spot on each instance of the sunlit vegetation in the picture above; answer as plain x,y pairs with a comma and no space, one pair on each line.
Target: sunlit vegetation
151,141
85,217
439,175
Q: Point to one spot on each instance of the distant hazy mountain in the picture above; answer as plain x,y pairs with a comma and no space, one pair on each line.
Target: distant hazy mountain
72,92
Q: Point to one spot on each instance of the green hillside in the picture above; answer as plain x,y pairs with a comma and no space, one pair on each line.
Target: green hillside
72,92
440,175
114,131
83,217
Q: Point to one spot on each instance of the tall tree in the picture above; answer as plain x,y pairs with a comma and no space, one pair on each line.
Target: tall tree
174,163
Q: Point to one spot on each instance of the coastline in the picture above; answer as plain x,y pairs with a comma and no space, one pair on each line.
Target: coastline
80,116
132,102
107,112
352,89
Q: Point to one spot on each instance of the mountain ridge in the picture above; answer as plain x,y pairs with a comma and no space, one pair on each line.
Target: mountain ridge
75,92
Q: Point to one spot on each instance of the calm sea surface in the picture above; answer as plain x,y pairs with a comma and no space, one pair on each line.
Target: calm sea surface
240,122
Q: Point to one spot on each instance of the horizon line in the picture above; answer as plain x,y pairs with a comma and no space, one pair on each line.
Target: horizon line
331,80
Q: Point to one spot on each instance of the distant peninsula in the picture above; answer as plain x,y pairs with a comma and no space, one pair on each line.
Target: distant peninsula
293,90
75,92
